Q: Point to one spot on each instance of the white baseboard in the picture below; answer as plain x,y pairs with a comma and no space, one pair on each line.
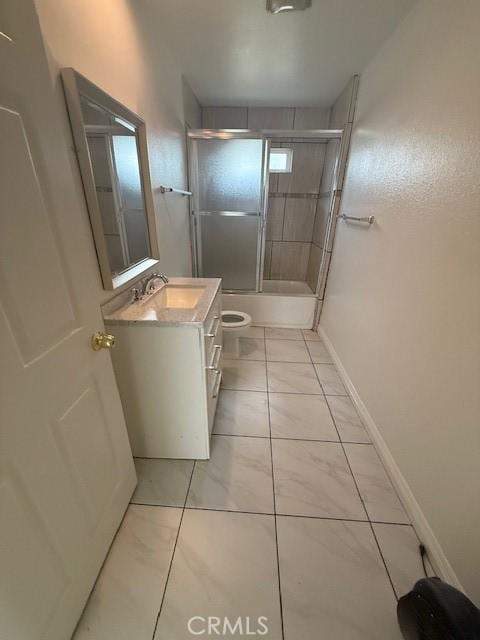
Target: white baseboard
435,552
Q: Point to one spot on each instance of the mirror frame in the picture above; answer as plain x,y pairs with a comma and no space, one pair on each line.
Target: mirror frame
75,85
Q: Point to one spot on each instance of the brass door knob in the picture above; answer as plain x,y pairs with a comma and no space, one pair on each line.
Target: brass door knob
102,340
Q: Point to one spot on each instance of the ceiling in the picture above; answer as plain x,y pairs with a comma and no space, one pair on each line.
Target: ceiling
232,52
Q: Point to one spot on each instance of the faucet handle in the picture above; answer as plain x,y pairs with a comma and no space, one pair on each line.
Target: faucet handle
162,277
136,295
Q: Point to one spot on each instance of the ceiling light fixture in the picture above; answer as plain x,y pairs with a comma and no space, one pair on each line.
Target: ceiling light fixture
280,6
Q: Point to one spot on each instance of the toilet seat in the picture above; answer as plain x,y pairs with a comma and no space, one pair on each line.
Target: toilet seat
235,319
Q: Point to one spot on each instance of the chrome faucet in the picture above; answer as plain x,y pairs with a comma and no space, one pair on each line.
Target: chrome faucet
149,284
136,295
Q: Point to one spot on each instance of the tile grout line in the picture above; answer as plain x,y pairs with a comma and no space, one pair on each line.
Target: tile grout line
360,495
292,393
266,513
166,459
283,217
246,435
366,511
274,509
347,395
383,559
351,472
275,514
361,498
173,552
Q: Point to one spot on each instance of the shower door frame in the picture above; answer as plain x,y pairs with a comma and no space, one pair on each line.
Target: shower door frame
229,134
266,135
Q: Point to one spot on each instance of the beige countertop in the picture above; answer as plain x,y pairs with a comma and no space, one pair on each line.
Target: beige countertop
151,310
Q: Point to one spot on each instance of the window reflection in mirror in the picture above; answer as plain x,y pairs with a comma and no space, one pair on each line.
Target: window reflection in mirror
112,145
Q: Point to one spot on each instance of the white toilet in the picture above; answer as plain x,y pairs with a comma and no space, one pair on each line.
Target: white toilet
234,321
234,324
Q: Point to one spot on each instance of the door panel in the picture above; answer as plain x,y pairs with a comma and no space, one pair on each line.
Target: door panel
228,249
228,179
229,175
83,436
25,231
66,470
27,551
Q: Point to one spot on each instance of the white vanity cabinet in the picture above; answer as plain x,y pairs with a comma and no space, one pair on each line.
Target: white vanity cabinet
169,375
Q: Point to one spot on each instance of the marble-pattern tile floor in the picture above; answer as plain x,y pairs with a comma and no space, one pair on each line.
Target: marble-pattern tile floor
292,530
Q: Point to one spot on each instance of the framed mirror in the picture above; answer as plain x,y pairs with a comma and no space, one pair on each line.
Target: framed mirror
111,147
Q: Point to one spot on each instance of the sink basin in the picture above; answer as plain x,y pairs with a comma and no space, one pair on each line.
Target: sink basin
176,296
182,301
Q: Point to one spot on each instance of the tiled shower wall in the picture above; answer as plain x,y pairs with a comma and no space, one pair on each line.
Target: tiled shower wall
289,253
291,214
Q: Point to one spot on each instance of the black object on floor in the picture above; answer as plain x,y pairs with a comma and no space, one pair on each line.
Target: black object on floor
434,610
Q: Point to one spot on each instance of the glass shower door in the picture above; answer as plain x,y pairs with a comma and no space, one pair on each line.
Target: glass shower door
227,177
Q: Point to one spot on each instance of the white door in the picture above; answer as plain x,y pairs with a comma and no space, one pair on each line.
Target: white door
66,471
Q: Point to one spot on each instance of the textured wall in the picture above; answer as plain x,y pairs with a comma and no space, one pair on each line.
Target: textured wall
191,107
402,306
114,44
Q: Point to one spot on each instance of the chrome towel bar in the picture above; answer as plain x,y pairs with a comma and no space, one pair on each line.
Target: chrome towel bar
369,219
7,37
163,189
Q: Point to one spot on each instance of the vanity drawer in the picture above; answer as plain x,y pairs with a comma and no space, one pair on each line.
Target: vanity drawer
213,357
214,379
213,327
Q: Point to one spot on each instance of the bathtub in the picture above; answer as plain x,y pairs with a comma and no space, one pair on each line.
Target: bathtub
282,303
